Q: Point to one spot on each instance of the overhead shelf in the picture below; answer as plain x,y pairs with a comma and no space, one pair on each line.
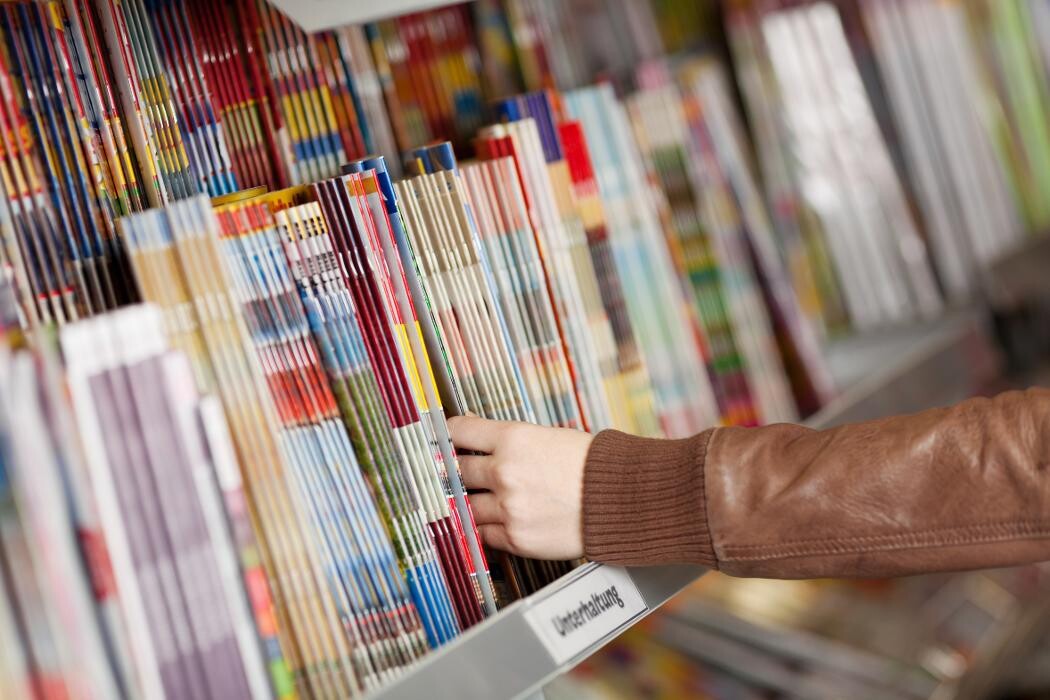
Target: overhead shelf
319,15
513,655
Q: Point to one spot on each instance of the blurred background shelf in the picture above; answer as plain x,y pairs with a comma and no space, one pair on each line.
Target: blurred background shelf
793,662
909,368
962,636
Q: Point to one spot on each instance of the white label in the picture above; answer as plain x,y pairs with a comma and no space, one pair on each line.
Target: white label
585,612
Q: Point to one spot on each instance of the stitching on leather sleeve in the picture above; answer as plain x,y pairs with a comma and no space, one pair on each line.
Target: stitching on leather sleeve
936,537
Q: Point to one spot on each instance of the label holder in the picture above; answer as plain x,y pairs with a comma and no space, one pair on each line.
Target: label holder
588,611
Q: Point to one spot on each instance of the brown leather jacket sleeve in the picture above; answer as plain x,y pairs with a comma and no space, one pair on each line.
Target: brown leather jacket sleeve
948,489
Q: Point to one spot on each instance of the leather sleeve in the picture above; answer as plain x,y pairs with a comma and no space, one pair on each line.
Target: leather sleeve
944,490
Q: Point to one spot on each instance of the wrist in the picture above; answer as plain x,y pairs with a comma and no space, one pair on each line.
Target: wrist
643,500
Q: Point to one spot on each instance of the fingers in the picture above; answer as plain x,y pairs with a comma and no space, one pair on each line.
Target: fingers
476,471
485,507
495,536
473,433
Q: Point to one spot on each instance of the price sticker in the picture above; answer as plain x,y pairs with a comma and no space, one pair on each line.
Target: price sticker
585,612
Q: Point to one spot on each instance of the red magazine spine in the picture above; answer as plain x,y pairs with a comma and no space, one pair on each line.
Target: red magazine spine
261,87
234,109
223,103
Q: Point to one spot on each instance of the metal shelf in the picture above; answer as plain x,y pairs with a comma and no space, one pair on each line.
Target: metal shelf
896,370
1004,631
318,15
1002,660
795,663
503,657
909,369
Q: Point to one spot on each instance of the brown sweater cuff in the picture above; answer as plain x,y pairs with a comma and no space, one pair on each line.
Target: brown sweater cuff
643,501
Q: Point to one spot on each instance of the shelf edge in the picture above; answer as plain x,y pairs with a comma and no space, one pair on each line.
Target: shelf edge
503,657
319,15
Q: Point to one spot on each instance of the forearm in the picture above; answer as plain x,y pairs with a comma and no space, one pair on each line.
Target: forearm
948,489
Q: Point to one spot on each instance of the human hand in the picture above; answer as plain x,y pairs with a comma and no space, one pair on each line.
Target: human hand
534,481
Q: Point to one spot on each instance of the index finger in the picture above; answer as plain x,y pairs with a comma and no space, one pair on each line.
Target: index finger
474,433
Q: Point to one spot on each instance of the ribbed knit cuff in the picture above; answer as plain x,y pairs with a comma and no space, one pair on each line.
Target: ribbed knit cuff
643,501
